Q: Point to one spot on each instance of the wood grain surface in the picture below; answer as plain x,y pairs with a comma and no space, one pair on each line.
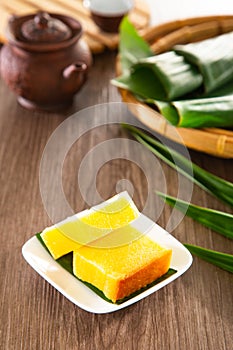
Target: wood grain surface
192,313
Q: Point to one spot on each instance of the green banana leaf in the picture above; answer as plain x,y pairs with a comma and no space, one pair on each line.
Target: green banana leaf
222,260
213,57
216,220
213,184
176,76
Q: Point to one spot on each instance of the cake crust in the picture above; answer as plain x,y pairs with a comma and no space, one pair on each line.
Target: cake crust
96,266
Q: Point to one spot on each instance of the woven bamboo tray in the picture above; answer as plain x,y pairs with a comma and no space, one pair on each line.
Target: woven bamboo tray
217,142
97,40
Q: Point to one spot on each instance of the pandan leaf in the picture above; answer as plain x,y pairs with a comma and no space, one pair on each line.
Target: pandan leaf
205,112
176,76
142,83
225,90
132,47
216,220
197,113
213,184
222,260
167,110
213,57
165,77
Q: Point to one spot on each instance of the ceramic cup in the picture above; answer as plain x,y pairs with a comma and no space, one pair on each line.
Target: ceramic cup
107,14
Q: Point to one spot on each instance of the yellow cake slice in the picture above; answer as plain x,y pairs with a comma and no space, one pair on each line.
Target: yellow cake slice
112,214
87,226
121,270
70,235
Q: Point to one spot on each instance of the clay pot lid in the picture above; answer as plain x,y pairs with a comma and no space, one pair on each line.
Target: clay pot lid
43,32
44,28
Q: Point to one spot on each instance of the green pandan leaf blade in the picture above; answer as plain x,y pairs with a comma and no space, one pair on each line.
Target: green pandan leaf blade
215,185
222,260
216,220
132,47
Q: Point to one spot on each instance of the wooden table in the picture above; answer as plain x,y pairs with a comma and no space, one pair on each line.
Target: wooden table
194,312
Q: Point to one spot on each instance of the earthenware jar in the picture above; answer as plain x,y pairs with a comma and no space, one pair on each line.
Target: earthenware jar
44,61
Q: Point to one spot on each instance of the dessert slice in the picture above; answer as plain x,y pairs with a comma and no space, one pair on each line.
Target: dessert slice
120,270
69,235
113,213
73,232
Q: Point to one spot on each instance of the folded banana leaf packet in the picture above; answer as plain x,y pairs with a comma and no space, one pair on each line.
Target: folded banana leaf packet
199,113
176,76
213,57
191,85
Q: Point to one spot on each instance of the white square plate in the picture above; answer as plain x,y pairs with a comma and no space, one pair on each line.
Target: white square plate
74,290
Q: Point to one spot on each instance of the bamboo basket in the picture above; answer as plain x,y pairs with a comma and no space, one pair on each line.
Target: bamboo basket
213,141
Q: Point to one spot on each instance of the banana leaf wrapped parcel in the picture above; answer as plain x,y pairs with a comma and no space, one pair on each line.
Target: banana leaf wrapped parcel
191,85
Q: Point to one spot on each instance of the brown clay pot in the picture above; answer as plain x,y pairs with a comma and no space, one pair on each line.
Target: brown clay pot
44,62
